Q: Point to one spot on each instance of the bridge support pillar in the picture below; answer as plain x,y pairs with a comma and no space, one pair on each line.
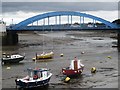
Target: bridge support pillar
10,38
83,20
48,21
56,20
59,19
68,19
80,20
71,19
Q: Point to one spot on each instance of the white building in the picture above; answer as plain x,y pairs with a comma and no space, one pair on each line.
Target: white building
2,26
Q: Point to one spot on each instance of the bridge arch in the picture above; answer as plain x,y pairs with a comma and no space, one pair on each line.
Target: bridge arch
60,13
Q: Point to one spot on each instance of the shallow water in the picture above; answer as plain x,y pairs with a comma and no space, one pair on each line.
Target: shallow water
96,51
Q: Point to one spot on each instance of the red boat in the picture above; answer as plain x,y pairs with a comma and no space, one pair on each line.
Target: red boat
75,68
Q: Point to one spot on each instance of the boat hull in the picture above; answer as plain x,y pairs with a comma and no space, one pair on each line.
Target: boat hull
45,57
40,57
14,60
70,72
32,84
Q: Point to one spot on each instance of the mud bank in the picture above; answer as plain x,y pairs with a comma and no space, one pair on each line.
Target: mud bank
96,46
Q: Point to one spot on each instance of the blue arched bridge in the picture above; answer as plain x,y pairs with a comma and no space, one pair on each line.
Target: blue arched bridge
42,19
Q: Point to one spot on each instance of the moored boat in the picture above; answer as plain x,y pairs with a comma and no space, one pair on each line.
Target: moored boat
14,58
36,78
75,68
44,56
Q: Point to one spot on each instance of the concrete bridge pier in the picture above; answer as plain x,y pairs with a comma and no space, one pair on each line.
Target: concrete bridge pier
10,38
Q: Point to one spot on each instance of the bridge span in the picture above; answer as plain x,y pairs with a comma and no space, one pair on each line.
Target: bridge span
58,17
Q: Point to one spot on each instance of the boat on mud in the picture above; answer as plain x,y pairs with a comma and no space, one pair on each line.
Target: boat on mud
75,68
44,56
14,58
37,77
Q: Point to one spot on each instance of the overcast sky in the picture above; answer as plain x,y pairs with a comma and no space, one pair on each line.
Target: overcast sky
55,6
23,10
60,0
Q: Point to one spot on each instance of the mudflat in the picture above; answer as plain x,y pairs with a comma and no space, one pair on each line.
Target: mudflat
98,52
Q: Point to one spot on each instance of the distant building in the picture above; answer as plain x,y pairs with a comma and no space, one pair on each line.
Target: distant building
2,26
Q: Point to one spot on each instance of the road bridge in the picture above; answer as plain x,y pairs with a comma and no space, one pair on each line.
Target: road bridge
78,24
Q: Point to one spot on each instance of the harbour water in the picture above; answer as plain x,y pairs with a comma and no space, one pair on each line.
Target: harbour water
97,46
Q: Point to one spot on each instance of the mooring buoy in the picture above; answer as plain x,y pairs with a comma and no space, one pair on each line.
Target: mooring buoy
110,57
67,79
93,70
82,52
61,55
8,68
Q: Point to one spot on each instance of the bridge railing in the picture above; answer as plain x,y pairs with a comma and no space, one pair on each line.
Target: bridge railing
63,27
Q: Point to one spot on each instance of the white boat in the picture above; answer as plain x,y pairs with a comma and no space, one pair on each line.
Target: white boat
15,58
36,78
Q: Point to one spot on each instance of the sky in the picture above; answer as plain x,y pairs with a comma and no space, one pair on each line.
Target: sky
60,0
17,10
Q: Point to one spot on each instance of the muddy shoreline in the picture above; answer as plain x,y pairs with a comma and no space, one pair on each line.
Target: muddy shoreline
39,38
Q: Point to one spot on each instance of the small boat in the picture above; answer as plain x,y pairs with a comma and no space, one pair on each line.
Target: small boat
44,56
36,78
15,58
75,68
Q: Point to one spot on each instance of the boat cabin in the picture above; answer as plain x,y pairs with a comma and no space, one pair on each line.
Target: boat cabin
76,64
38,73
11,56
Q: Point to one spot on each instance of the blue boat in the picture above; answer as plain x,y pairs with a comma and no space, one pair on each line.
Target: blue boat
36,78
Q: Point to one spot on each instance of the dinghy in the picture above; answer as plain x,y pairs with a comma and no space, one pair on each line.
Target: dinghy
44,56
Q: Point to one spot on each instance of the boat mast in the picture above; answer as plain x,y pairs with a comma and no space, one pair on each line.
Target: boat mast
52,39
35,59
61,47
43,38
